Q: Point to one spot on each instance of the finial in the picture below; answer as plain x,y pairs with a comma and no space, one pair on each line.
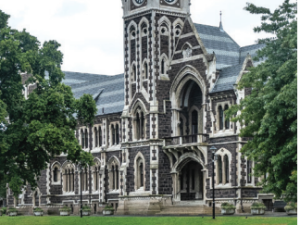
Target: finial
221,25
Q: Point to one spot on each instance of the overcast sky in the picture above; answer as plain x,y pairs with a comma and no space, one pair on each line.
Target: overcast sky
90,31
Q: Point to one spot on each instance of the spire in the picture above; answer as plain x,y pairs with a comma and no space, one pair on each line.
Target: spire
221,25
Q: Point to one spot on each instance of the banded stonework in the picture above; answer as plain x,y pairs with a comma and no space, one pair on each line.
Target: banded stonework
156,122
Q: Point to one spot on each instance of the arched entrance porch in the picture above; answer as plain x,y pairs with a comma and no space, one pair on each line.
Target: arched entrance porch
188,178
191,182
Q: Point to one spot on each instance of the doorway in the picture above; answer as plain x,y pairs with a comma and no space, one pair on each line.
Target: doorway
191,182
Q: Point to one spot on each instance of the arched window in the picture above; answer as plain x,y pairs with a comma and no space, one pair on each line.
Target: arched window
163,66
134,75
117,134
117,177
140,175
142,125
100,137
113,175
194,122
96,170
68,178
82,138
86,138
221,118
113,134
226,161
55,174
146,70
220,172
84,176
114,178
226,120
96,136
249,171
138,126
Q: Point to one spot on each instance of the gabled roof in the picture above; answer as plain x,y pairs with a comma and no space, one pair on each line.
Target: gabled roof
230,56
216,40
108,91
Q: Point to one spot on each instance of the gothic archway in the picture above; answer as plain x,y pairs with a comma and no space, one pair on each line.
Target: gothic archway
188,178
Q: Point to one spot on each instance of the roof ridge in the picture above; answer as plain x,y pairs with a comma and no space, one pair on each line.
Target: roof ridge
93,73
206,25
250,45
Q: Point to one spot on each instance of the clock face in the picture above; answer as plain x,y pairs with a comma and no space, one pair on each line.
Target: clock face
139,1
170,1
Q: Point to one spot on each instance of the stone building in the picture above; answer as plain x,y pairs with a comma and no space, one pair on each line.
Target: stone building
157,121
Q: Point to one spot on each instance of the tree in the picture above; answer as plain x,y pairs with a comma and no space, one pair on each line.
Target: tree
42,126
270,111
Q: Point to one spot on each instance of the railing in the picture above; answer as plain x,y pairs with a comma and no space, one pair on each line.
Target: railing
189,139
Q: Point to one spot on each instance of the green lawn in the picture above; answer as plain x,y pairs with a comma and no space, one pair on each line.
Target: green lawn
55,220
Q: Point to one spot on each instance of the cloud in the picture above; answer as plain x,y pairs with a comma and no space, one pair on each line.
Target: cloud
91,31
71,8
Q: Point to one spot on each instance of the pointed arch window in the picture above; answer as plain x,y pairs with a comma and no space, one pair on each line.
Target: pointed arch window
96,170
146,70
85,176
134,75
227,122
117,134
68,178
140,176
138,126
194,122
226,161
55,174
163,66
249,171
100,136
96,136
114,176
86,139
221,118
220,170
113,134
117,177
82,138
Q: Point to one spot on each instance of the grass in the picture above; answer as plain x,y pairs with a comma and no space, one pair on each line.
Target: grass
74,220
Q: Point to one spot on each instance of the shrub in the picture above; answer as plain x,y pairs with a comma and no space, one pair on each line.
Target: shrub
86,209
258,205
109,208
3,210
12,210
38,210
227,205
290,206
65,209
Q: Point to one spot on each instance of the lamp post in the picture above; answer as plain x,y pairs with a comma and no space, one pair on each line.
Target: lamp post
80,172
214,156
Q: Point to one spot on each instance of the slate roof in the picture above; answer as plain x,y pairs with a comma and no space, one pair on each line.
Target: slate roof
107,90
230,56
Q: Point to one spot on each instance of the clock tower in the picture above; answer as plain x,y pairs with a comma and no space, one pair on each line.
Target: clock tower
151,31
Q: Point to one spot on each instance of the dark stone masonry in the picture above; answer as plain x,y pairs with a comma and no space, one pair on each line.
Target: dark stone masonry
156,123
